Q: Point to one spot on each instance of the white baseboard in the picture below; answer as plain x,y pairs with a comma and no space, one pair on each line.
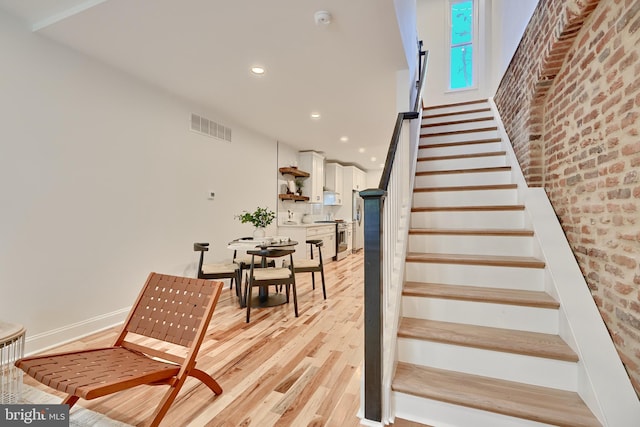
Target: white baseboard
56,337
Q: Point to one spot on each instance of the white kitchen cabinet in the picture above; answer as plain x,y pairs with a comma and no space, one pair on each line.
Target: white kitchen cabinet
354,177
327,233
297,234
333,181
350,237
314,163
359,179
300,234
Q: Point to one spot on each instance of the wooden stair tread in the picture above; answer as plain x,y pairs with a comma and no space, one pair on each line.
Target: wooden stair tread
456,171
467,188
541,404
457,122
527,343
400,422
456,113
459,143
517,297
491,208
473,231
459,132
487,260
463,156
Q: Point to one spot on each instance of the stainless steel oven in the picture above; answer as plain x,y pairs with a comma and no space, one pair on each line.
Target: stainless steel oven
341,240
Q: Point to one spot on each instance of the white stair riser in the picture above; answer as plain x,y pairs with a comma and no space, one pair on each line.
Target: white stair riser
455,108
465,198
522,318
427,119
458,126
471,244
442,414
476,275
455,150
463,179
495,364
468,220
461,163
457,137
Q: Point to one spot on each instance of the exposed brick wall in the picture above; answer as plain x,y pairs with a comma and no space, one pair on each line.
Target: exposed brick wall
589,148
521,94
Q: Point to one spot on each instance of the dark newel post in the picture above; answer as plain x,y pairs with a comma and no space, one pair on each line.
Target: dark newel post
373,203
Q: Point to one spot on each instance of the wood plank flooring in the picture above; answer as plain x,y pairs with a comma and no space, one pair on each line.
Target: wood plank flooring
278,370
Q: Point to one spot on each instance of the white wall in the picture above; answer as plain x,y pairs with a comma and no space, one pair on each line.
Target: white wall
406,15
501,25
101,182
510,19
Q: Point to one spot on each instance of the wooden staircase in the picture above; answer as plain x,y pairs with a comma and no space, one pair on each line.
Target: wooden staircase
478,343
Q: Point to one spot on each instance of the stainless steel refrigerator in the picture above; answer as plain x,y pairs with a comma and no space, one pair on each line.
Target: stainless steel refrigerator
358,221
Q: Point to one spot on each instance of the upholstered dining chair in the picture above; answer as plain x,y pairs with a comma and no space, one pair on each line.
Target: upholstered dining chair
219,271
172,313
271,276
313,265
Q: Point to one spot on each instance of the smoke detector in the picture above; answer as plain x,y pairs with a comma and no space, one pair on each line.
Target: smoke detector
322,17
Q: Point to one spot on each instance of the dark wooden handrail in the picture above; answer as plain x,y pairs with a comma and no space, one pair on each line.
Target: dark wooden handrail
373,259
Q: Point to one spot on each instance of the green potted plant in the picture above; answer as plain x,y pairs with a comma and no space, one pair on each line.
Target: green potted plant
260,218
299,185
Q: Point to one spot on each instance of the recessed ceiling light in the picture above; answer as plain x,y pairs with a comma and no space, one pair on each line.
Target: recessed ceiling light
344,139
315,115
360,150
373,159
257,70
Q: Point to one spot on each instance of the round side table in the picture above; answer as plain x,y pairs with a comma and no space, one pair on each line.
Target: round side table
11,349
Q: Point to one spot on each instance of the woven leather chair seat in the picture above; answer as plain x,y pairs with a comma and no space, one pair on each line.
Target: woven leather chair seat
90,373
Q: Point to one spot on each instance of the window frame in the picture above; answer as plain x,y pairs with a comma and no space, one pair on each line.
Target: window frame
473,43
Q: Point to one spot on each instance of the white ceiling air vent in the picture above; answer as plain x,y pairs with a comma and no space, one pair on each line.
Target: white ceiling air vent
210,128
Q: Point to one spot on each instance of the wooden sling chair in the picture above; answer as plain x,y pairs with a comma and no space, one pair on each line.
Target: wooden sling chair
169,309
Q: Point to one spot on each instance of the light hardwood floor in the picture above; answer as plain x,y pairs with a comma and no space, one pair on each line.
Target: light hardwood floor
278,370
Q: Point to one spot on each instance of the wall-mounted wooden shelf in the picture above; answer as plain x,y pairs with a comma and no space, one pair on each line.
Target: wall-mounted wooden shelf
293,197
294,171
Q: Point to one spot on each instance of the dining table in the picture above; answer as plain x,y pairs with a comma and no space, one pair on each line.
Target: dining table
264,297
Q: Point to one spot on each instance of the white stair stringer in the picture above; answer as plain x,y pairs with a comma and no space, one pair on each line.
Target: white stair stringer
452,246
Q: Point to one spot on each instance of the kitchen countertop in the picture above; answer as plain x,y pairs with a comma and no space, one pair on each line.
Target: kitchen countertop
312,224
303,225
